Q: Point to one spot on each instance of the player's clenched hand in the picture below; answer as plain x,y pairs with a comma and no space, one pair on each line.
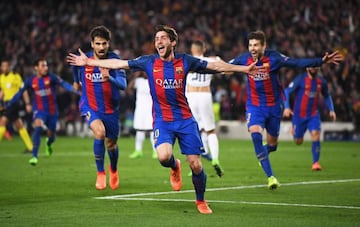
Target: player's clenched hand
287,112
104,72
332,115
78,60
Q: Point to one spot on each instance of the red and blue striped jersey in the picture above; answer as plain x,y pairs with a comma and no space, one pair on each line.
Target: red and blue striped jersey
98,93
264,88
167,80
43,90
307,90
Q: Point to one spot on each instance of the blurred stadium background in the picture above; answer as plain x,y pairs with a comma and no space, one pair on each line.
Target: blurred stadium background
296,28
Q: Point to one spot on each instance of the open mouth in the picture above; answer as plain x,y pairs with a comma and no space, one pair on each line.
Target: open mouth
254,55
161,49
101,54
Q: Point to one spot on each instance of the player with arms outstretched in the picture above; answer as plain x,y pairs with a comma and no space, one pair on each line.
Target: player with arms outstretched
173,119
265,95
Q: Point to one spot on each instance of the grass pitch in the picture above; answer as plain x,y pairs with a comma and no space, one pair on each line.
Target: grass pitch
60,190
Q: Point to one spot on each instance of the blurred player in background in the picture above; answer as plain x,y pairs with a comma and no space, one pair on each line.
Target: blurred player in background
173,119
308,87
199,97
99,103
44,106
265,95
10,84
143,119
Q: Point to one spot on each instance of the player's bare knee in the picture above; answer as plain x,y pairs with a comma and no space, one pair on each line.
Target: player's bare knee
272,147
19,124
195,164
110,144
315,136
50,133
99,134
163,156
164,152
298,141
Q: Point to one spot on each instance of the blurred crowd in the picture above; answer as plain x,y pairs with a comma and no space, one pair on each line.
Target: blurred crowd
305,28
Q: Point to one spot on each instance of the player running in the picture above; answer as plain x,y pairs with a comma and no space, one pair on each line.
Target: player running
308,87
99,103
265,95
173,119
42,85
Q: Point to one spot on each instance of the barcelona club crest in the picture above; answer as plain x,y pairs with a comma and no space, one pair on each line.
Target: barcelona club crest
179,70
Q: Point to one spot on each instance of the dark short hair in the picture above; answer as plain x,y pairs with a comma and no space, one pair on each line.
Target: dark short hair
258,35
169,30
100,31
199,43
38,60
5,59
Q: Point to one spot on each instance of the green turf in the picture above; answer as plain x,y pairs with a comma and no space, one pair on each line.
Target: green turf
60,190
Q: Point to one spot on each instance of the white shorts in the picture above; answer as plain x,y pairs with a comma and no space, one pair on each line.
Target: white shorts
201,106
143,119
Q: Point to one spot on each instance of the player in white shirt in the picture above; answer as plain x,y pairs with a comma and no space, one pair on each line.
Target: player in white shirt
200,100
143,119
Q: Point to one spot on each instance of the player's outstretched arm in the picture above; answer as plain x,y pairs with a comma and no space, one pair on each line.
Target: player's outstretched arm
222,66
334,58
82,59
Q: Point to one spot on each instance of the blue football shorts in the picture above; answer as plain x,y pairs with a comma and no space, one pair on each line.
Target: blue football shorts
49,120
268,118
300,125
110,121
186,131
